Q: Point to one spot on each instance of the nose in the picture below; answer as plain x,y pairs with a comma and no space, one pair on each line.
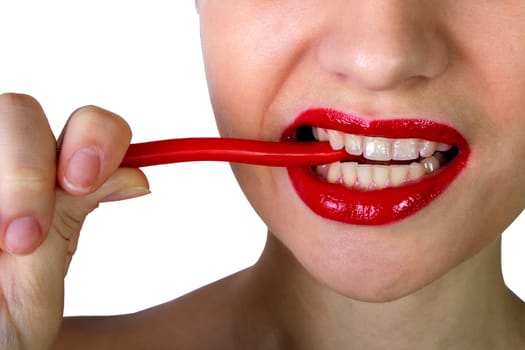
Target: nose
382,44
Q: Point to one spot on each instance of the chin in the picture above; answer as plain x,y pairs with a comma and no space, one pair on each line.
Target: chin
371,265
377,291
378,287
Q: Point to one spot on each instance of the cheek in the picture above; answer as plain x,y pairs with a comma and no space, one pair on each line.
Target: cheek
496,186
499,196
234,89
248,52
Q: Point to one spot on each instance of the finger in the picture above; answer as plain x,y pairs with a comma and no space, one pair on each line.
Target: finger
125,183
27,173
93,146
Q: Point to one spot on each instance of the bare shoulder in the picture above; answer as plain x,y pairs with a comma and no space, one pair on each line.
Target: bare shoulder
523,318
202,319
223,315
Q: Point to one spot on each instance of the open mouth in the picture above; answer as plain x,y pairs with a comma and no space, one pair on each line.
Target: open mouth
378,162
394,168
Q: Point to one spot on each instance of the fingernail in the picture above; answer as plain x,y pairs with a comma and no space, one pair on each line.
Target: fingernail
127,193
22,235
83,170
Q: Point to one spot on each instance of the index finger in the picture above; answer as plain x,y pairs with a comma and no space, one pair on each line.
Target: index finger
27,173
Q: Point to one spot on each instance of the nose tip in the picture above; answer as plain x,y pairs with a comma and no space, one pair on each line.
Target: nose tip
382,67
383,49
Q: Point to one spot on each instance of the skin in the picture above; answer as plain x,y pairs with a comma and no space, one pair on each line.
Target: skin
431,281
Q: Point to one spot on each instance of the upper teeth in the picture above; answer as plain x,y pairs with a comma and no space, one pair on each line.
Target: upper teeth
380,148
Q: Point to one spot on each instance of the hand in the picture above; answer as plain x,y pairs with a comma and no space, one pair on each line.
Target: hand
43,203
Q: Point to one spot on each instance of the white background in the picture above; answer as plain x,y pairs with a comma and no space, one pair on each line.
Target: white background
142,60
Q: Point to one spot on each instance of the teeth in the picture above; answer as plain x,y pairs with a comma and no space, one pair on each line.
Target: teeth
428,149
443,147
398,174
334,173
405,149
430,164
375,177
377,148
320,134
364,176
380,148
322,170
380,176
354,144
349,173
336,139
415,171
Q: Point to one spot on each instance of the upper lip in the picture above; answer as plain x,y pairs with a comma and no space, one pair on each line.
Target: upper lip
422,128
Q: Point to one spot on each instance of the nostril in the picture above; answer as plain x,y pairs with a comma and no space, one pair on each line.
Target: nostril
383,47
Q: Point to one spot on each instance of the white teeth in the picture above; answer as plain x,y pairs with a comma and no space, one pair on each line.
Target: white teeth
320,134
336,139
415,171
380,148
354,144
428,148
443,147
376,177
398,174
364,176
380,176
405,149
349,173
334,173
377,148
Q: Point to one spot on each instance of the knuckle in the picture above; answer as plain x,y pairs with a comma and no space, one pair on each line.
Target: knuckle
70,214
30,179
67,224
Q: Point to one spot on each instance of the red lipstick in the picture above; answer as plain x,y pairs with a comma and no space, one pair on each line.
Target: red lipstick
374,207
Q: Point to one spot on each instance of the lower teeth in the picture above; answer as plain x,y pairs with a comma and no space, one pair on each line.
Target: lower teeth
370,177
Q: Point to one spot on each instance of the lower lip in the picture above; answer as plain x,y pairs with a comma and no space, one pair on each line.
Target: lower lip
378,207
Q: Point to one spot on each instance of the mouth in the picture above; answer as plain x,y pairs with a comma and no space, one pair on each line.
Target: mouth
397,167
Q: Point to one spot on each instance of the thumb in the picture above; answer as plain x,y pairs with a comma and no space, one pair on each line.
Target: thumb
37,279
126,183
71,211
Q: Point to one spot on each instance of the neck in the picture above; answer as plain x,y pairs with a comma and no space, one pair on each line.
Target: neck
469,307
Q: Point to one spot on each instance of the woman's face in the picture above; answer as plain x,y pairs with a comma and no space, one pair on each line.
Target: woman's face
397,82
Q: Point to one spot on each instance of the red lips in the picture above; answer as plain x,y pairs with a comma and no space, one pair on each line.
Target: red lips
376,207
